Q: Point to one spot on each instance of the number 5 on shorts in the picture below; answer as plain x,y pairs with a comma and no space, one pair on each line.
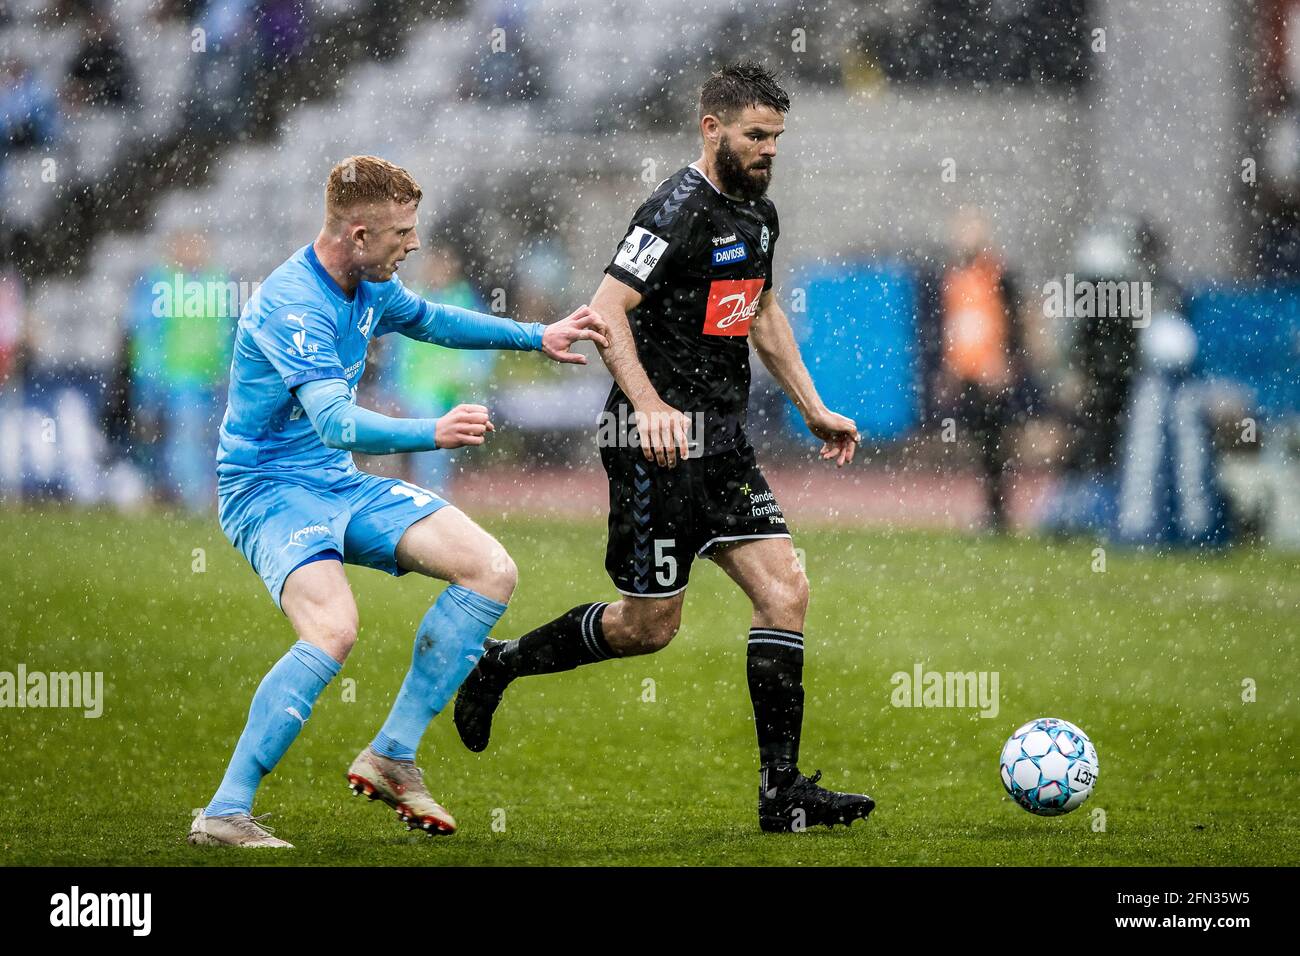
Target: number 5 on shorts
665,564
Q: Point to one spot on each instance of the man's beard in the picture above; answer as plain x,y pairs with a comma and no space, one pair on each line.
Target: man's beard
736,179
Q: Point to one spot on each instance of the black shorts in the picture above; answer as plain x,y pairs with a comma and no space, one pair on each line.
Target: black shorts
661,518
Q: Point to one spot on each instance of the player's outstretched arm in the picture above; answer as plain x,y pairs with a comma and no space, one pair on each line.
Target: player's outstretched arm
341,423
777,349
664,431
457,328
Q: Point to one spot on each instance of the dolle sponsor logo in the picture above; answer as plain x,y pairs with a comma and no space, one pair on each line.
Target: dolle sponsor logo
732,304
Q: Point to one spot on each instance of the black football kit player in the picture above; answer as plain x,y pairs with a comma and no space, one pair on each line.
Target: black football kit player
699,260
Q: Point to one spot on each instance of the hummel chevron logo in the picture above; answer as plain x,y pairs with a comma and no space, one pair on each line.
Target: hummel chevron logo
669,209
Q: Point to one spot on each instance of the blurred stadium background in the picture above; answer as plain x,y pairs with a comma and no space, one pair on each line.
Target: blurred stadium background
151,148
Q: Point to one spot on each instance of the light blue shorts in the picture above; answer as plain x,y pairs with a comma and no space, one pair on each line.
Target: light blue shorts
278,523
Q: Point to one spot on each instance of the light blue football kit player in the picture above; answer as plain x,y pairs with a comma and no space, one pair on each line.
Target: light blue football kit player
294,503
299,353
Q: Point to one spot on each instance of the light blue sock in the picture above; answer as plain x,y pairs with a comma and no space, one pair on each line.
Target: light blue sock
447,646
280,708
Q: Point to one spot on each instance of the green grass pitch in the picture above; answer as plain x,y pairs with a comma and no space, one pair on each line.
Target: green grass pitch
1148,656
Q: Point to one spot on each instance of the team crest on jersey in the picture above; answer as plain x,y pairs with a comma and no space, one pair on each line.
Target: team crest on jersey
732,305
764,238
364,325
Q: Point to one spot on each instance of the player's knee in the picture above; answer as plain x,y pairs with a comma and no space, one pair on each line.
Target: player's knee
336,638
494,575
660,634
799,592
505,572
785,596
652,632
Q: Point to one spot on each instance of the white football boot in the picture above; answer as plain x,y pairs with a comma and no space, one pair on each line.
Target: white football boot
400,784
241,829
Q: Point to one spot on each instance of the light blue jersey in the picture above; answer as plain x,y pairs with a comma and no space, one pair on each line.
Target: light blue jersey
284,494
301,327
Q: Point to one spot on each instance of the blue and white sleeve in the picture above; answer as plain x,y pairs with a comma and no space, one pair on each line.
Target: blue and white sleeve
342,423
456,328
301,343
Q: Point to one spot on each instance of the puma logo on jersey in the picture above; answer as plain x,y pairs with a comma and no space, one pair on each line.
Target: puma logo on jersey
732,305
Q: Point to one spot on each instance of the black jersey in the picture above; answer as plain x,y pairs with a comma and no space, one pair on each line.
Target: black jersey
700,260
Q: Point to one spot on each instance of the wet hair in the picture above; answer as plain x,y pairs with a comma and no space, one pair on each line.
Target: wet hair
738,85
360,180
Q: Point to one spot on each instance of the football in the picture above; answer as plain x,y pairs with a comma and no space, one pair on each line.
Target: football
1049,766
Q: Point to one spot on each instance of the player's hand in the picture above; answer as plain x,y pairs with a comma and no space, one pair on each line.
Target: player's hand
582,325
839,434
664,433
463,425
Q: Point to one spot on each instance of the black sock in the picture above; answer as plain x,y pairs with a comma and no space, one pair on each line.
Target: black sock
575,637
775,669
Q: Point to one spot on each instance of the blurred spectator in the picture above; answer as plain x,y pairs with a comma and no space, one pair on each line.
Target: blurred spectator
283,29
29,113
180,321
509,70
71,11
1104,347
429,380
964,43
13,349
1280,189
982,371
101,74
13,318
225,81
186,10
